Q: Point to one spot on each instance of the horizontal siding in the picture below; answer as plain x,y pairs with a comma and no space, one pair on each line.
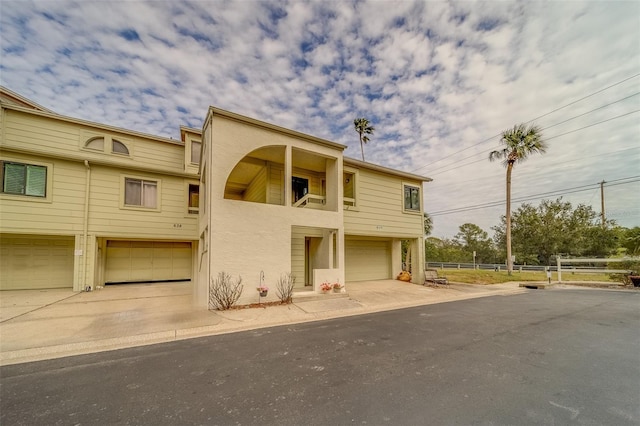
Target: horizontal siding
63,214
276,176
379,211
298,235
315,179
107,218
257,190
55,137
297,256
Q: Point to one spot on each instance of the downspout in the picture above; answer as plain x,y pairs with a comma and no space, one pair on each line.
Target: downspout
85,231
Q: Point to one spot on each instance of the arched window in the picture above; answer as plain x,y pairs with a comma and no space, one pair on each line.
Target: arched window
119,148
98,144
95,143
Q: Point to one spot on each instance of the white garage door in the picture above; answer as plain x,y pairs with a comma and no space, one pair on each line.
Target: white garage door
146,261
33,262
367,260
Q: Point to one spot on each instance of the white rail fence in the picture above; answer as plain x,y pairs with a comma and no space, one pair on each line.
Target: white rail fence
561,260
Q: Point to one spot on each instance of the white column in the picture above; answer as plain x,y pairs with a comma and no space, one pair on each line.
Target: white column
288,167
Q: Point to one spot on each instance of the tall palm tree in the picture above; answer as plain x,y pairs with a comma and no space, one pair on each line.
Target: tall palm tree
364,128
519,143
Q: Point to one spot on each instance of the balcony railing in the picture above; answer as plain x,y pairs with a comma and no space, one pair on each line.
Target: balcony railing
310,199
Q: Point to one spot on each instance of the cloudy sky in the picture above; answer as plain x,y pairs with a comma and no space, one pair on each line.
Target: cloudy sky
439,81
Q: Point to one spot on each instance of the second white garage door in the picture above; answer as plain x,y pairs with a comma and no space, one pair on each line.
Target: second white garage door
367,260
147,261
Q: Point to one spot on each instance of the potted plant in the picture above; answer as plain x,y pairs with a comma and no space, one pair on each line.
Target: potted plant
262,289
325,287
337,287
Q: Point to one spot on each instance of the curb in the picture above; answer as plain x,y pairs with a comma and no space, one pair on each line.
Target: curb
233,326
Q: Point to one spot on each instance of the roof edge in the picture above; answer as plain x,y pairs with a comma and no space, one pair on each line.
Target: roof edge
258,123
93,124
21,99
382,169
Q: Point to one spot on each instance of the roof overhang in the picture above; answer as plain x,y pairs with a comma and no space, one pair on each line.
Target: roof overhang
100,126
364,165
213,111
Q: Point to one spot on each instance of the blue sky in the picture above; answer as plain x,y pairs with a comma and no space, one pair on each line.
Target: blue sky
438,80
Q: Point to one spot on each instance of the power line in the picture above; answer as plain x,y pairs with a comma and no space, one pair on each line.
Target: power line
543,115
594,124
588,96
593,110
564,163
565,191
515,200
549,138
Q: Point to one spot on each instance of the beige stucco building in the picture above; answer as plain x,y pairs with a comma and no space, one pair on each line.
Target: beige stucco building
84,204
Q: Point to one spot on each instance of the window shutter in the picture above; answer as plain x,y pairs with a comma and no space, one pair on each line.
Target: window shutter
13,178
36,181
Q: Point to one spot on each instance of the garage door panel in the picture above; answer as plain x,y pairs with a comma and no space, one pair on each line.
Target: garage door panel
367,259
145,261
36,262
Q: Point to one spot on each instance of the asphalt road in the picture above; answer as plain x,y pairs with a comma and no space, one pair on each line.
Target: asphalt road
544,357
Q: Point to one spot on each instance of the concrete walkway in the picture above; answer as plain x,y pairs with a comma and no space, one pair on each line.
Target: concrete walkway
45,324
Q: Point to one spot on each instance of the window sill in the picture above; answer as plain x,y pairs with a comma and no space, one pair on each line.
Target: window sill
29,198
140,209
416,212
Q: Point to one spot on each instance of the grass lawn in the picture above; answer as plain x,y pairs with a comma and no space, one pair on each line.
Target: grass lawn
491,277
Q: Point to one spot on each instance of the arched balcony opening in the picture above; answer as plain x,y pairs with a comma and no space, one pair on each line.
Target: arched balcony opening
258,177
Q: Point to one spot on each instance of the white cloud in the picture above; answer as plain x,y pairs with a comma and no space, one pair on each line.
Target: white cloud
434,78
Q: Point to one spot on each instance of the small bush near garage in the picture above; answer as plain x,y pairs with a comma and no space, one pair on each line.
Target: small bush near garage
224,292
284,287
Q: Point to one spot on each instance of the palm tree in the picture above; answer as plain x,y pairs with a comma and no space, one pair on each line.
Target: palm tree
363,128
519,143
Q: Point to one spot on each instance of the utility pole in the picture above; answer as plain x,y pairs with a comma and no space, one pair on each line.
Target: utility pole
602,202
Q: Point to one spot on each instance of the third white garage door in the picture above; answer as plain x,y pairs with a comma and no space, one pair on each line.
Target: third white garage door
367,259
147,261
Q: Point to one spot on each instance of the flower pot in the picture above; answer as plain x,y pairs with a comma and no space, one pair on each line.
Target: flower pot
263,294
337,290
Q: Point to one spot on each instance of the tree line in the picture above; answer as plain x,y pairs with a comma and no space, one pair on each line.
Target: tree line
538,234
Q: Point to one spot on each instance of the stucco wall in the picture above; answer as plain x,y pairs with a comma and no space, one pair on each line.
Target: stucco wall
246,238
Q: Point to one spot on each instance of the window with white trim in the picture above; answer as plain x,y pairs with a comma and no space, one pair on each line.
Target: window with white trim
412,198
196,147
118,147
194,199
140,193
24,179
349,189
95,143
98,144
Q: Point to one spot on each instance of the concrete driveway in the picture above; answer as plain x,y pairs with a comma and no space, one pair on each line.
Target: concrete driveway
41,324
